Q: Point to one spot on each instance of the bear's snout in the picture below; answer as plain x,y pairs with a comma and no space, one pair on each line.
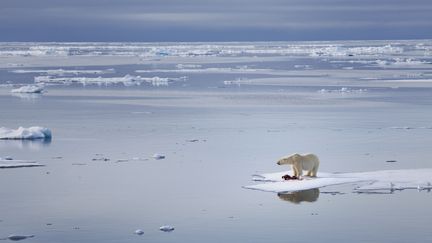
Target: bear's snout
278,162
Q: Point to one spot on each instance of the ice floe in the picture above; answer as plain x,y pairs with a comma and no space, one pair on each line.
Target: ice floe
25,133
127,80
388,180
35,89
409,128
166,228
19,237
6,164
342,90
149,50
238,81
131,159
243,69
183,66
139,232
158,156
61,72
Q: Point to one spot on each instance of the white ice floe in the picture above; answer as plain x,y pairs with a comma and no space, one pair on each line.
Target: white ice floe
183,66
35,89
389,180
61,72
158,156
409,128
242,69
166,228
343,90
148,50
139,232
25,133
131,159
127,80
238,81
6,164
19,237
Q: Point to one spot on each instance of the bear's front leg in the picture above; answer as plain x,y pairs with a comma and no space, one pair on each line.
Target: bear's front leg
294,169
298,169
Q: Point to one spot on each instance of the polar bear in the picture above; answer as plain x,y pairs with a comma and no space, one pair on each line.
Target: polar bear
300,162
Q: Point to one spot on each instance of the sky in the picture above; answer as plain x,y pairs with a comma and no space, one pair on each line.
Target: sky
218,20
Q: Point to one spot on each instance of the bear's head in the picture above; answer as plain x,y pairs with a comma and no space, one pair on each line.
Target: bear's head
288,159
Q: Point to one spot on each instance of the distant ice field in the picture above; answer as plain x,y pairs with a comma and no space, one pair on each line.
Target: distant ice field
345,63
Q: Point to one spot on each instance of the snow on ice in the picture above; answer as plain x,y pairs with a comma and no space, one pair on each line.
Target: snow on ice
166,228
25,133
37,89
390,180
127,80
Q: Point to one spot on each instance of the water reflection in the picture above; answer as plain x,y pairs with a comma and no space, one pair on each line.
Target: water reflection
27,96
34,144
310,195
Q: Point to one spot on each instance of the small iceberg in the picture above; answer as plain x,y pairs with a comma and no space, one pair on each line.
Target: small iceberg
25,133
139,232
166,228
158,156
29,89
19,237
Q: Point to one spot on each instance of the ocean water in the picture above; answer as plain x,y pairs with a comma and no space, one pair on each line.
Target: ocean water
219,112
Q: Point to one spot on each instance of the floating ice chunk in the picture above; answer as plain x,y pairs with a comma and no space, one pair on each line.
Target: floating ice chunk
237,81
158,156
166,228
6,163
183,66
343,90
62,72
241,69
29,89
19,237
27,96
139,232
389,180
25,133
131,159
298,66
127,80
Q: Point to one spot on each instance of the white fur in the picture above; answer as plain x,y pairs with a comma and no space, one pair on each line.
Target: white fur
300,162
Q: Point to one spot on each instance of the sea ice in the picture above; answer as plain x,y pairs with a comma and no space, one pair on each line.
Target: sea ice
371,181
62,72
25,133
343,90
158,156
19,237
127,80
29,89
7,163
139,232
166,228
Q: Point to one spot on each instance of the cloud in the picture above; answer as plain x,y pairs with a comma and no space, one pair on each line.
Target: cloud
250,17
